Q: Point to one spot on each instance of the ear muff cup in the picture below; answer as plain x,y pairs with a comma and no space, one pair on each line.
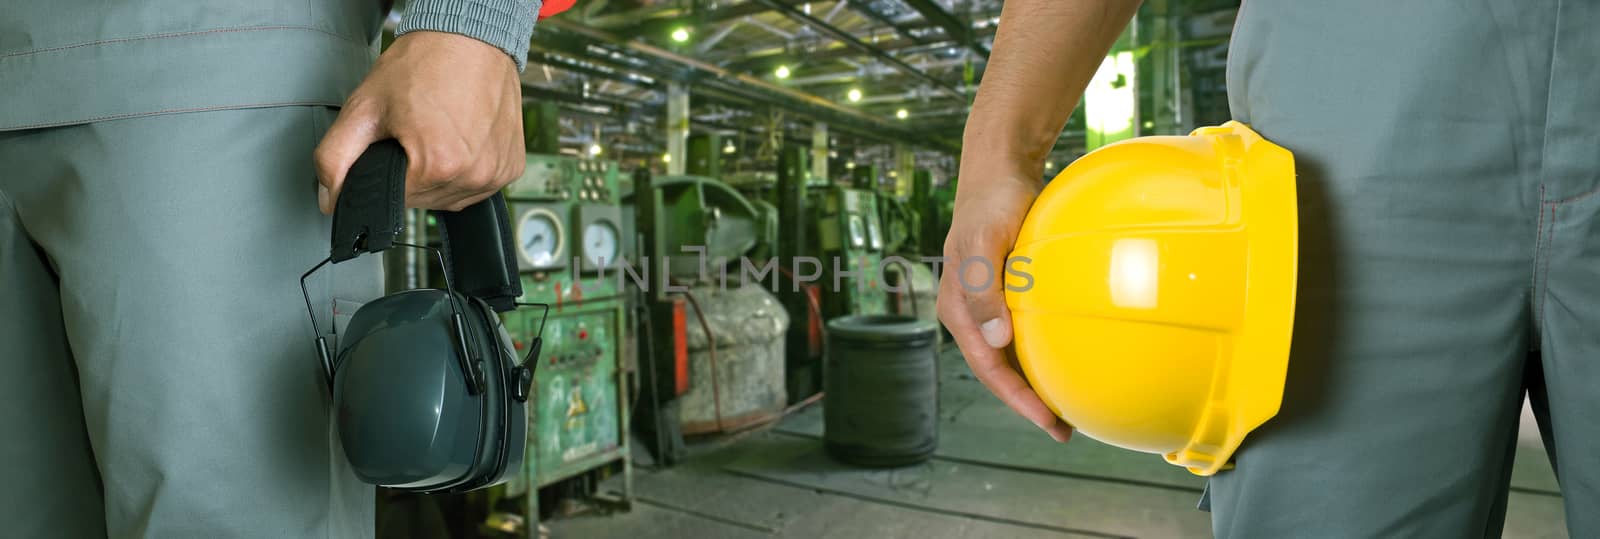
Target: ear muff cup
505,419
514,438
405,415
427,393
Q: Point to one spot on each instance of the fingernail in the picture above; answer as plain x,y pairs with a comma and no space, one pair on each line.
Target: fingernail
322,197
1045,425
1057,435
993,333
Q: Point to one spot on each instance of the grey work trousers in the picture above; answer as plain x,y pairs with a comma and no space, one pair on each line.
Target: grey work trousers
155,352
1448,160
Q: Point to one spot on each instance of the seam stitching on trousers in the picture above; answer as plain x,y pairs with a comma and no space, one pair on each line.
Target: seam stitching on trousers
1538,254
1544,267
15,216
172,111
6,199
1579,196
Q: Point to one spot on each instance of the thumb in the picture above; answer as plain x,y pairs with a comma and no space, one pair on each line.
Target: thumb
356,128
981,288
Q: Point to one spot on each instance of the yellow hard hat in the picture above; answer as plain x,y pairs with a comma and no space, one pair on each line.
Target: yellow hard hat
1161,302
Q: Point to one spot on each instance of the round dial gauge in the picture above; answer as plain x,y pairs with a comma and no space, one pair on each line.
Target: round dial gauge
539,238
857,236
600,245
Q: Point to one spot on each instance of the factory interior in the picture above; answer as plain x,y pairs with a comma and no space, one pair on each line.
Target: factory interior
721,136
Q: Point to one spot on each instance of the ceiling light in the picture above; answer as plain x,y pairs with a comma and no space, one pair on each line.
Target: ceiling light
666,158
728,148
783,72
680,34
594,149
901,114
854,95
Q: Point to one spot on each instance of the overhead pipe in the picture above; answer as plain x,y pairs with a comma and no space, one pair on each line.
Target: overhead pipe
868,71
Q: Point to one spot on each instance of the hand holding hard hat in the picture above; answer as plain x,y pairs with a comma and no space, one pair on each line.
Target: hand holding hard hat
983,228
1161,301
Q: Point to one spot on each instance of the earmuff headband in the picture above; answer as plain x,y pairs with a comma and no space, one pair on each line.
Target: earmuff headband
467,356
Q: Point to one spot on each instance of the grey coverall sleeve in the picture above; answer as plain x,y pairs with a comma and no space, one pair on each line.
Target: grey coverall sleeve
506,24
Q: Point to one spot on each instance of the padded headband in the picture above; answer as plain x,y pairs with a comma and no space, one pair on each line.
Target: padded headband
370,214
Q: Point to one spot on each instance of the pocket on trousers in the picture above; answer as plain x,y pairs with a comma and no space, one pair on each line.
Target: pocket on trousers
343,310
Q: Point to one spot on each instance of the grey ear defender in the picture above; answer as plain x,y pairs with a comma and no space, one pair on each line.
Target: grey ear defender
428,393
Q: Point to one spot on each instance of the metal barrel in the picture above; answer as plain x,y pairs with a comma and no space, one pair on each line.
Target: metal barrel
882,393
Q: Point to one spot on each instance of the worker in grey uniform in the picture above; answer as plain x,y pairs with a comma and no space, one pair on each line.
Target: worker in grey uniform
1448,159
160,169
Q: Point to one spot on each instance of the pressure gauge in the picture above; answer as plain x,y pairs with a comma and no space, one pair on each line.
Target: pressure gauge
874,236
857,235
540,238
600,245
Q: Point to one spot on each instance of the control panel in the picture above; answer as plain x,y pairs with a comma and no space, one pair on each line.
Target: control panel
851,237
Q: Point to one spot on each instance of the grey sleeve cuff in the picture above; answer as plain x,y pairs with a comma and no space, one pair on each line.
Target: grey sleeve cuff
506,24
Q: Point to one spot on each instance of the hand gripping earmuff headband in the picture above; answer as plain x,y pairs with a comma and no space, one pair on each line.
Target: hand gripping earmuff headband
476,257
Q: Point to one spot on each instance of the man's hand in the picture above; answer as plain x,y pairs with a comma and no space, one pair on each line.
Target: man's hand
1044,55
453,102
984,227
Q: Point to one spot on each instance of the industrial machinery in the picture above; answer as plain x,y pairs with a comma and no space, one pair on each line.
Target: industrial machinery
865,177
714,361
850,239
803,345
939,208
931,224
569,235
910,285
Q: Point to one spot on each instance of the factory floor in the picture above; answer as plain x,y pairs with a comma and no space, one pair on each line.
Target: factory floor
994,475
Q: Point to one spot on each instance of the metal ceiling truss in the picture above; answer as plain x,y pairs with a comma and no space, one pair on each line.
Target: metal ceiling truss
892,75
594,46
957,29
847,38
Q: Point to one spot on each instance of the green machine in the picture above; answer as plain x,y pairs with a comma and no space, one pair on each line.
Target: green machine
850,237
803,346
567,224
705,155
930,235
912,288
901,226
714,358
865,177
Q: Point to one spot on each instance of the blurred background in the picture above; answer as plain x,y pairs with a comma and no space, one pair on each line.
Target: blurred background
751,395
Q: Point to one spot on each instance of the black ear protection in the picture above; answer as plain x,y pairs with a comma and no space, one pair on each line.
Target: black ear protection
428,393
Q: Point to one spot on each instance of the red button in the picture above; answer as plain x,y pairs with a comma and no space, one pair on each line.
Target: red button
516,344
583,334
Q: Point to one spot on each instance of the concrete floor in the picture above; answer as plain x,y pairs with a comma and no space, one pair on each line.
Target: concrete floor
994,475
